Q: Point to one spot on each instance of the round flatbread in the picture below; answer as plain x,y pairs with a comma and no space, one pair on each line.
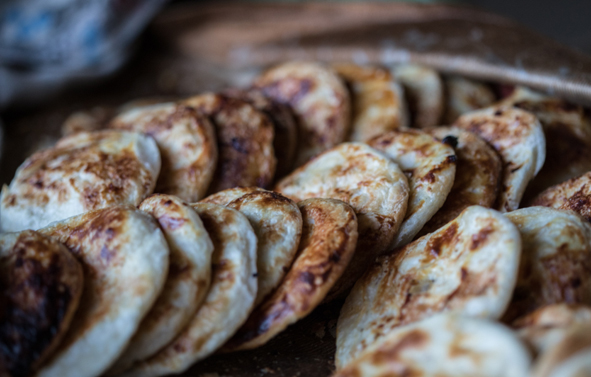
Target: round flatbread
478,174
469,266
571,353
40,287
423,90
568,133
187,283
377,101
463,95
223,198
285,142
319,100
187,146
245,142
518,138
555,260
228,303
444,345
369,182
548,325
327,245
572,195
83,172
277,223
125,260
430,166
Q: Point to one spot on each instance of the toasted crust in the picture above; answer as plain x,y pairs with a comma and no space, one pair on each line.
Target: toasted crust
430,166
575,348
319,100
187,145
125,261
228,303
423,89
94,119
518,138
285,142
187,283
368,181
377,101
40,285
469,266
573,195
328,243
555,261
444,345
83,172
245,142
224,198
478,174
568,133
277,223
548,325
463,95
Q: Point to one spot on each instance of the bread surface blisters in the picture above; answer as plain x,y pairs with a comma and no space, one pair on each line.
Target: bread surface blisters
83,172
555,260
469,266
319,100
423,91
430,166
285,142
40,285
187,283
367,180
125,261
548,325
444,345
377,100
463,95
519,139
327,245
477,178
568,134
570,357
572,195
187,145
245,142
228,302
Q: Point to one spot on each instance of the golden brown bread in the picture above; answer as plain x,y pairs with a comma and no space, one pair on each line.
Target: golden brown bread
573,195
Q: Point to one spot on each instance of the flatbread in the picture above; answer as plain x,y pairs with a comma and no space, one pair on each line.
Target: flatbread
187,145
245,142
328,243
93,119
430,166
568,133
463,95
423,90
478,174
367,180
285,142
40,285
377,100
469,267
319,100
277,223
224,198
83,172
548,325
444,345
572,195
228,303
125,260
555,260
518,138
572,352
187,283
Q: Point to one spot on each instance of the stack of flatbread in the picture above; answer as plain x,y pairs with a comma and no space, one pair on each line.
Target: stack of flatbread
453,221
